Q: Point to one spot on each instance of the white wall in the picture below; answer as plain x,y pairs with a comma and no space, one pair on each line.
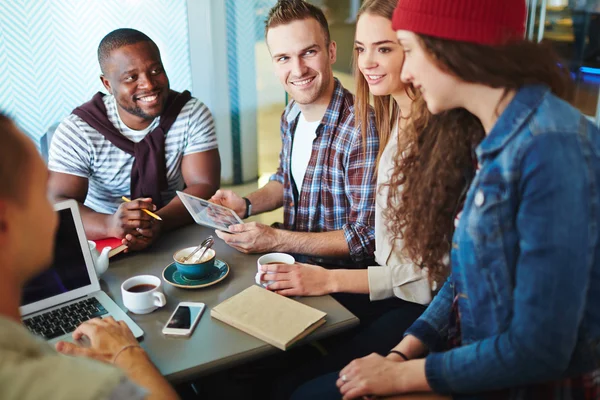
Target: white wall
208,57
48,52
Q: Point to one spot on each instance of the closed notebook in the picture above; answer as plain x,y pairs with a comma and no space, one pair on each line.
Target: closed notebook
276,319
115,245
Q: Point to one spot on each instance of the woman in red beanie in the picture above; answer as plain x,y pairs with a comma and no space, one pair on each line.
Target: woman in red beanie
519,316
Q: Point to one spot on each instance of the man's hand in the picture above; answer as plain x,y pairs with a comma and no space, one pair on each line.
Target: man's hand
251,238
231,200
112,342
298,279
130,217
142,238
107,337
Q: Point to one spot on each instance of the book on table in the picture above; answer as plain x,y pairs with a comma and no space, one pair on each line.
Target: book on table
115,244
275,319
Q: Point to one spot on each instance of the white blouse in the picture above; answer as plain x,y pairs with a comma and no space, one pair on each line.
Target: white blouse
397,275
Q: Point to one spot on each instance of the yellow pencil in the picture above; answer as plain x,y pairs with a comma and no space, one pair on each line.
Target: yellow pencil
150,213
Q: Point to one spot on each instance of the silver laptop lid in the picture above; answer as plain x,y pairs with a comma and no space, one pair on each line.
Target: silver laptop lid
72,273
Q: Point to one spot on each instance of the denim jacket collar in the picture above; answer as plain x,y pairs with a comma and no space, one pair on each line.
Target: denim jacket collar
527,99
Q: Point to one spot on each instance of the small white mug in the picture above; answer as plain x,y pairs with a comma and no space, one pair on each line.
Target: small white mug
143,294
279,258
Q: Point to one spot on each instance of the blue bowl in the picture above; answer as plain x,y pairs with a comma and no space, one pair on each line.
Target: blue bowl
195,270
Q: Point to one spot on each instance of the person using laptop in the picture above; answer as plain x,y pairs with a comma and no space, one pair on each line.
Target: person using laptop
68,293
29,367
326,176
142,140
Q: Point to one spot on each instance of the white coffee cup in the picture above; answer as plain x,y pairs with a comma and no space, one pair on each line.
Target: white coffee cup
139,297
279,258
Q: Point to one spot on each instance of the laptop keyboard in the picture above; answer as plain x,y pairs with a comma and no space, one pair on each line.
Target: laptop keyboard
63,320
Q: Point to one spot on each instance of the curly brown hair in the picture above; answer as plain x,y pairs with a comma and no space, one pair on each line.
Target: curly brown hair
418,209
434,169
510,66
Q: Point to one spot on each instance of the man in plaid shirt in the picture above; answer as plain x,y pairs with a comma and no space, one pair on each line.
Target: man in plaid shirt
326,176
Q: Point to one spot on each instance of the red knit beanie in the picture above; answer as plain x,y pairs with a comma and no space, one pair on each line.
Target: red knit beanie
488,22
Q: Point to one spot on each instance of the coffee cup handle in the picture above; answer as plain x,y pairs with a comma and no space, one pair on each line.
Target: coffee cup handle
159,299
258,278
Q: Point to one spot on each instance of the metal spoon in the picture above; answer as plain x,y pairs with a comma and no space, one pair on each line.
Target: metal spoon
207,246
201,245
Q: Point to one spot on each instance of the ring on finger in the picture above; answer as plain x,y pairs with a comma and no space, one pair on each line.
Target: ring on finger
345,378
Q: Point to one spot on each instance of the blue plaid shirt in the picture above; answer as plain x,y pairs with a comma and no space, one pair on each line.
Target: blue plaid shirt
338,192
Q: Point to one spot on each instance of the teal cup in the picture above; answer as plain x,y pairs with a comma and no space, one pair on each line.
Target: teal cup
194,268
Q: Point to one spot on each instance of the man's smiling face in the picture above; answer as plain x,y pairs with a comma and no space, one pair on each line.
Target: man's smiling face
302,59
134,74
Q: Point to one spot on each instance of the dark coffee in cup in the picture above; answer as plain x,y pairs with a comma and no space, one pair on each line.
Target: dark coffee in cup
271,258
144,287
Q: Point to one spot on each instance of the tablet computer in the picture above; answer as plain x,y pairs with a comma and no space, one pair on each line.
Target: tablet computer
209,214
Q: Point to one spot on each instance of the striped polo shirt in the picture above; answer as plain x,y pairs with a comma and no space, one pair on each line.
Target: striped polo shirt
78,149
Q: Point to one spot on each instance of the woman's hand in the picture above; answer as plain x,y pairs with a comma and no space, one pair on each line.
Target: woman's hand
298,279
381,376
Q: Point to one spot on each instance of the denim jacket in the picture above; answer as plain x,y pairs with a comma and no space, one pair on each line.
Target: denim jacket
525,255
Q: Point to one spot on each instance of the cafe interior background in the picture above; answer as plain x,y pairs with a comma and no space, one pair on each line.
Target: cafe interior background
216,48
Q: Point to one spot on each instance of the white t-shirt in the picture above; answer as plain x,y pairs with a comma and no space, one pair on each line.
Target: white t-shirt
304,135
78,149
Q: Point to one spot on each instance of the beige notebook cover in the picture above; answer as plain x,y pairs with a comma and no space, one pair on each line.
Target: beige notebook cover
268,316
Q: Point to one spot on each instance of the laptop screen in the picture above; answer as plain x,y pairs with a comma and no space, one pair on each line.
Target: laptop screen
68,271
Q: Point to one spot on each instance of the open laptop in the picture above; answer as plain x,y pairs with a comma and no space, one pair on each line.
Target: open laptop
59,299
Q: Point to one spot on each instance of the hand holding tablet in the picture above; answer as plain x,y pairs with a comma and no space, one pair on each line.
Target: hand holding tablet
229,199
209,214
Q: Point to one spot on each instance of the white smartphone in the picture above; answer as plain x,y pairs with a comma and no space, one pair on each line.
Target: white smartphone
184,319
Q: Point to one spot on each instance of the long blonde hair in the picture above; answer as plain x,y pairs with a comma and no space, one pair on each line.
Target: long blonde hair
387,111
